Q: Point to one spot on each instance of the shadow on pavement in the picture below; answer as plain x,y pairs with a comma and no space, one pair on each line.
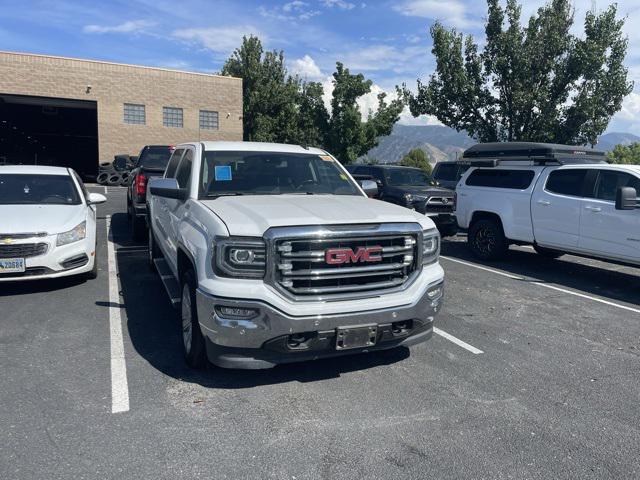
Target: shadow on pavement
155,333
567,271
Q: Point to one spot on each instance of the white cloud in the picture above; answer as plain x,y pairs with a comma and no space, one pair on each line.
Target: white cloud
132,26
291,11
384,58
294,6
307,68
452,12
342,4
219,39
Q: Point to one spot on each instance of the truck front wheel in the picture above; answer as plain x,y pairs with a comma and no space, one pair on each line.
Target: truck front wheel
486,240
192,339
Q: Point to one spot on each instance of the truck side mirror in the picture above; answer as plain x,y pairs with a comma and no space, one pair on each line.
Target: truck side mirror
626,198
167,188
370,187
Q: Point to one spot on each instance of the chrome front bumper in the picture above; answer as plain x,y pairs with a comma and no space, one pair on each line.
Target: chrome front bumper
262,340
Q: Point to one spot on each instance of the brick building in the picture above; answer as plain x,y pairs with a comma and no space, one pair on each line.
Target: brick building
77,113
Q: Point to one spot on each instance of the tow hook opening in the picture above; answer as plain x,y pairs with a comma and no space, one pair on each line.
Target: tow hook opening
300,341
402,328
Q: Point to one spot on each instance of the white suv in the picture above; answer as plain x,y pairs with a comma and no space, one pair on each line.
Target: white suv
557,198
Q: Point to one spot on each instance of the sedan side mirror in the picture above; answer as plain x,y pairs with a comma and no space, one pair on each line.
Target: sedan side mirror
370,187
167,188
626,198
96,198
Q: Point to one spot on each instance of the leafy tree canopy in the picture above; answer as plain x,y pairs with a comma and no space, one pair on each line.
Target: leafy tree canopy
278,107
417,158
629,154
533,82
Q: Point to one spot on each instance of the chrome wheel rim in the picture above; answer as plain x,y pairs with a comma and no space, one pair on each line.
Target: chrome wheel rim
187,326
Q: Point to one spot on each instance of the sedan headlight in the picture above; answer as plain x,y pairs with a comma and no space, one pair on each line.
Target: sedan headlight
430,247
79,232
240,257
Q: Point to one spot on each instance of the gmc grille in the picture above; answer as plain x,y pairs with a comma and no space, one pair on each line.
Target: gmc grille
301,269
23,250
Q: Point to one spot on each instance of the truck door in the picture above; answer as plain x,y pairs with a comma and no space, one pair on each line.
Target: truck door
176,209
605,231
555,207
160,211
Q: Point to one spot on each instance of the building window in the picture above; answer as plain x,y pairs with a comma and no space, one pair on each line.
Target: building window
208,120
134,114
172,117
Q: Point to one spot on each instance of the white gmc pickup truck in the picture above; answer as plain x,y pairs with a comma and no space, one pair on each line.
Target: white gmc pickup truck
558,198
274,254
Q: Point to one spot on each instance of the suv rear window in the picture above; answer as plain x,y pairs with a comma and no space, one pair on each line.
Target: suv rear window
566,182
446,171
155,157
512,179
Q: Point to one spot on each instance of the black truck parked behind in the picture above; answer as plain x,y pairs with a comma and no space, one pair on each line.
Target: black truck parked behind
151,163
413,188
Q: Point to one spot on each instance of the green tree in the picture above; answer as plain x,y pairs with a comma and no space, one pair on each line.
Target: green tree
537,82
269,94
629,154
348,136
278,107
417,158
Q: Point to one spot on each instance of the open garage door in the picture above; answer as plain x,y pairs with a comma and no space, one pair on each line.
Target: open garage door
49,131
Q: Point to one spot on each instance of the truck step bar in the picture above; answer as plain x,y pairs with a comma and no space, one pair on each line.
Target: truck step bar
170,283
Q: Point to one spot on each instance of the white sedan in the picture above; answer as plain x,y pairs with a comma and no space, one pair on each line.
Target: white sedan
47,224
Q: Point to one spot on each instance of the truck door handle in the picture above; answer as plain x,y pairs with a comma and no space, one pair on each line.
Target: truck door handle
593,209
544,203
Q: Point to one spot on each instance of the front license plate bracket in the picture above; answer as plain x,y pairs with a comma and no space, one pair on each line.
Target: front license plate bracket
360,336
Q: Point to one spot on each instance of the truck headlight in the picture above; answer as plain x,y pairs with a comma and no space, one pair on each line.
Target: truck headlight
430,246
240,257
79,232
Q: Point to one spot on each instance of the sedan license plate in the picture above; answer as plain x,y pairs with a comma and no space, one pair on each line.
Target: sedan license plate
11,265
356,337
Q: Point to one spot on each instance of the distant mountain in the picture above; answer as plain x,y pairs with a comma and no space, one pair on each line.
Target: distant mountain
438,142
609,140
444,143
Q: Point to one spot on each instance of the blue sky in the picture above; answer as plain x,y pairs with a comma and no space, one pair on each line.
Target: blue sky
388,41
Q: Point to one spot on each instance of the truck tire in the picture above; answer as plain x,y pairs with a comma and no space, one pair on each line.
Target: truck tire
547,252
138,227
486,239
192,338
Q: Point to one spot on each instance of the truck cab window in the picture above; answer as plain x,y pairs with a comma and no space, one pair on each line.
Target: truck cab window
567,182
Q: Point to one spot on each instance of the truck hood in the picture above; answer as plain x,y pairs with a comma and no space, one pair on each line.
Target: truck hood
253,215
40,218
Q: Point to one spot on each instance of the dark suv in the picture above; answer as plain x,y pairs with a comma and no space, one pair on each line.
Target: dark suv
448,174
413,188
151,163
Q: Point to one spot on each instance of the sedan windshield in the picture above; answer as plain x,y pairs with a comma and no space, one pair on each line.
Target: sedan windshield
26,189
272,173
407,176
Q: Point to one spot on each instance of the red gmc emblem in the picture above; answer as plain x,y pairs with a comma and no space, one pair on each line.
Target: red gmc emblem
338,256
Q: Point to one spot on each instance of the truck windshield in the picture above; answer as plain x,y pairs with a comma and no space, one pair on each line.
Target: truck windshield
272,173
155,157
406,176
26,189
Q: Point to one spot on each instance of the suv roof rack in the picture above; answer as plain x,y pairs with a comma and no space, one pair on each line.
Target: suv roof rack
490,154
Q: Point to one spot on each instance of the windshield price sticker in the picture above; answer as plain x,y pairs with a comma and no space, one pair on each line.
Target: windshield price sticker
223,173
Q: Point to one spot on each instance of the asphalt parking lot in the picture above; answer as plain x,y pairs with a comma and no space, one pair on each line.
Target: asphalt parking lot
533,374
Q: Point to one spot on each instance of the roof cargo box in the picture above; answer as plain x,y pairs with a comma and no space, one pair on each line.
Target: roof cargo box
489,154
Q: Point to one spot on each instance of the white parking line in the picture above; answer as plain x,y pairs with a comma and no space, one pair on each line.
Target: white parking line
545,285
105,189
119,384
457,341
